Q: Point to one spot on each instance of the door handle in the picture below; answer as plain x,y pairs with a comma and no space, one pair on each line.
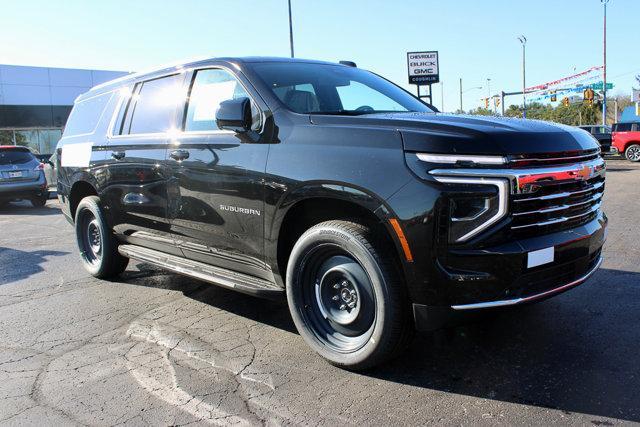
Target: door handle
118,155
179,155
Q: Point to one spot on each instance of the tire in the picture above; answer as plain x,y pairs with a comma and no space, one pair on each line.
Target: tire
346,296
632,153
98,247
40,201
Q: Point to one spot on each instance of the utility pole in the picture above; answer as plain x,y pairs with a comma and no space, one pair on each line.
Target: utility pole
604,86
465,91
461,111
290,30
523,41
442,97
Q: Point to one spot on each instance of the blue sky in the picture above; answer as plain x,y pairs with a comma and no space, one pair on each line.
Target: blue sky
476,39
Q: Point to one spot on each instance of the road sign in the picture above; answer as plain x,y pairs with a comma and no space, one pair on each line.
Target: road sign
636,95
423,67
598,86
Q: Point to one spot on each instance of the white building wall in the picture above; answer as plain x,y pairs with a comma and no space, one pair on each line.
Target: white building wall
24,85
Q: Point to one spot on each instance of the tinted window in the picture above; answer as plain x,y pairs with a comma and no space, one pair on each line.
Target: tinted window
153,105
86,114
210,88
622,127
15,157
336,89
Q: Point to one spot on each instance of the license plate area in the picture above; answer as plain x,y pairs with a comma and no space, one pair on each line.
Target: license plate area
15,174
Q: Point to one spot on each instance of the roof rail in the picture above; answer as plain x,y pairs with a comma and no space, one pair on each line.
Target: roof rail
349,64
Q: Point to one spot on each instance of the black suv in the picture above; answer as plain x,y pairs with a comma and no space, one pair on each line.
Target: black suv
373,213
602,134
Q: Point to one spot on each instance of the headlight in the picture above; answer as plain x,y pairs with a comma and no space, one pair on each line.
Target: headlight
461,158
474,212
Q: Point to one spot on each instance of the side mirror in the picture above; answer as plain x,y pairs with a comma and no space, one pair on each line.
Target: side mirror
234,115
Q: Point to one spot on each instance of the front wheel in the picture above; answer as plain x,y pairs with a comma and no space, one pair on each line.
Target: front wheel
632,153
346,297
98,247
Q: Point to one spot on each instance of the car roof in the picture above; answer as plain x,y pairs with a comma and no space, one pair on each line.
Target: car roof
233,61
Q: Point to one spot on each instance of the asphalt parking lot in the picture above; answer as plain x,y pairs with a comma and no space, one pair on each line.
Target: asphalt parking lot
158,348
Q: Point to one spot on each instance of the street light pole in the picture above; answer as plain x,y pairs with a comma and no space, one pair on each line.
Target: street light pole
442,97
290,30
523,41
604,85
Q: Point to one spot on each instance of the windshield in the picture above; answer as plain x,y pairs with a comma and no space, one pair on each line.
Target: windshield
12,156
334,89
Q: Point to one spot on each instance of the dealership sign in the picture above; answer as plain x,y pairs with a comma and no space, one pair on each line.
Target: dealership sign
423,67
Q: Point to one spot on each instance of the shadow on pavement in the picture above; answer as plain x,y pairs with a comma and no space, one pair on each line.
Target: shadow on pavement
25,208
577,352
17,265
272,313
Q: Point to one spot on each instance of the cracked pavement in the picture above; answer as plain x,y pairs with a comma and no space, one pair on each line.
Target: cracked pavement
158,348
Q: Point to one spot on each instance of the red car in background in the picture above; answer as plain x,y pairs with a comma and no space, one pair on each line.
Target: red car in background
626,140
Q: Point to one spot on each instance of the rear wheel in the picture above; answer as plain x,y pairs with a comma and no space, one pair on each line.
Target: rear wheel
346,297
98,247
632,153
39,201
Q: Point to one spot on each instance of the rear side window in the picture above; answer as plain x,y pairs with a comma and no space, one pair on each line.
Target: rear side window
152,107
86,114
12,156
622,127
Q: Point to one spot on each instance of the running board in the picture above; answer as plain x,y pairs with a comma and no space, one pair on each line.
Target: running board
199,270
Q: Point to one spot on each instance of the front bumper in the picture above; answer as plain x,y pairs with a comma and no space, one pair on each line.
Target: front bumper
499,277
475,278
534,297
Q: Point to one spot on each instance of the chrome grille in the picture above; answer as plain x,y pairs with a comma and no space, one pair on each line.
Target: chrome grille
557,204
533,160
548,197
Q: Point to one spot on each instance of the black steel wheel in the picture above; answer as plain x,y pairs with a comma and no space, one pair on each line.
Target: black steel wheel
345,295
98,247
632,153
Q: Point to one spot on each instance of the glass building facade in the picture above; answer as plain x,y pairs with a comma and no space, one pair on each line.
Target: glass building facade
35,102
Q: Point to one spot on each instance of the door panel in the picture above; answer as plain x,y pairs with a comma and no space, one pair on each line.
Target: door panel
217,208
137,192
218,217
139,182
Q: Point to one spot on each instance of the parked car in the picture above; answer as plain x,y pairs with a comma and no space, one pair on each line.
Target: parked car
602,134
326,183
626,140
21,176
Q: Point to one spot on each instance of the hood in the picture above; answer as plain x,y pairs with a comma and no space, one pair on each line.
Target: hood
465,134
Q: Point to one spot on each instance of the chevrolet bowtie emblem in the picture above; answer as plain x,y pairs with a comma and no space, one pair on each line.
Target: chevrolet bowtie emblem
584,173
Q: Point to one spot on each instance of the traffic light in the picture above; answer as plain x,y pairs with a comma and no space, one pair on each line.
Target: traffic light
565,101
486,103
588,95
497,101
554,98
